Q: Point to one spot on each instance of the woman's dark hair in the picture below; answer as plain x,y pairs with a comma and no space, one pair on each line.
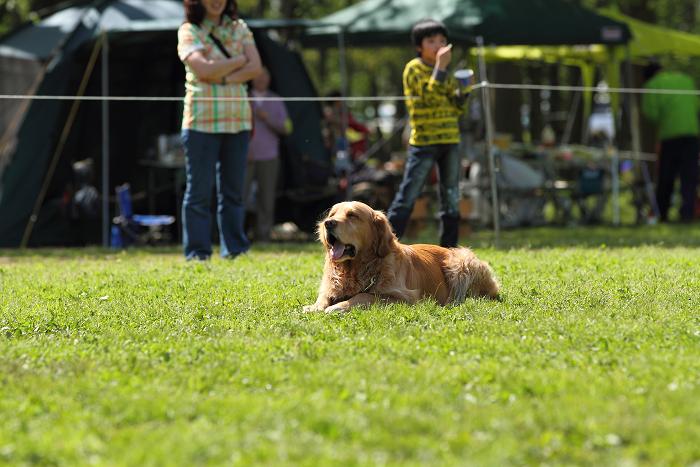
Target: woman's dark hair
194,10
426,28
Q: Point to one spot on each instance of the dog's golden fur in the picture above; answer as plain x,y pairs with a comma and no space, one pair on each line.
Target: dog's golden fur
365,263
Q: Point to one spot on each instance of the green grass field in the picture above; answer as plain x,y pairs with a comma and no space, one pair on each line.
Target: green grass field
137,357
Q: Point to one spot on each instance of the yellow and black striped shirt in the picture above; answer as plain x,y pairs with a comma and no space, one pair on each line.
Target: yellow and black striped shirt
433,107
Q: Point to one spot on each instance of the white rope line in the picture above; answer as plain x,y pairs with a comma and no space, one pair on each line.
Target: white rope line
483,84
543,87
200,99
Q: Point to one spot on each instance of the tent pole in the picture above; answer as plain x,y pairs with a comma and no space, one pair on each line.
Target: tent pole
612,73
485,96
59,147
346,163
569,128
636,140
105,140
343,69
615,168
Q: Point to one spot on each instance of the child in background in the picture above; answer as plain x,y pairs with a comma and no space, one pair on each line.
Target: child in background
271,123
434,102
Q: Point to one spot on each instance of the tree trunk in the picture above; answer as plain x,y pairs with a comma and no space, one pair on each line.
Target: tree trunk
261,8
289,8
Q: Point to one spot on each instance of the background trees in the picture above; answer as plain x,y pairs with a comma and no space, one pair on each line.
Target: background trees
677,14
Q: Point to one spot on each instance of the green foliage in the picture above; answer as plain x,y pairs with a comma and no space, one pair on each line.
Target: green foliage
678,14
15,12
681,15
592,357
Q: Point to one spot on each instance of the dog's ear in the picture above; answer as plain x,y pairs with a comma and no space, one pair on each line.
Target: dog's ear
319,224
383,235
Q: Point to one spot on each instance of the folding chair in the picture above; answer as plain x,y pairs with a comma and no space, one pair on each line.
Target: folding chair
140,229
590,195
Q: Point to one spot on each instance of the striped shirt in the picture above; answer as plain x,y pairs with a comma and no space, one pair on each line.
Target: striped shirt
214,116
433,108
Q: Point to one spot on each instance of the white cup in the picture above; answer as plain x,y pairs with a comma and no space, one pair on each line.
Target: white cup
464,77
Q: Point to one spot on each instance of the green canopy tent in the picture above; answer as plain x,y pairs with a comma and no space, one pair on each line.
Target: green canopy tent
502,22
647,41
652,40
141,62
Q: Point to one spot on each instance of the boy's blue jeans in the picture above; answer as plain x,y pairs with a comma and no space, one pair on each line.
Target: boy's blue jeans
418,165
214,158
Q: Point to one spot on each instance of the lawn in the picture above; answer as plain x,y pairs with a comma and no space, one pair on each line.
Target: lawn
137,357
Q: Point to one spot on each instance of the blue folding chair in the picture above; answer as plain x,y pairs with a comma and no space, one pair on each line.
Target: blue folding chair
138,229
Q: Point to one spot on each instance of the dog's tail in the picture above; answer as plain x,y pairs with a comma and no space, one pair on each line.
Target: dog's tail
468,276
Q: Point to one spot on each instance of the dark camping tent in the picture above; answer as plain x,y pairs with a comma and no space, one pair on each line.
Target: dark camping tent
503,22
142,61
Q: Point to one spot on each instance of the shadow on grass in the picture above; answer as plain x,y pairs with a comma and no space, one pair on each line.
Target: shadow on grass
95,252
87,252
665,235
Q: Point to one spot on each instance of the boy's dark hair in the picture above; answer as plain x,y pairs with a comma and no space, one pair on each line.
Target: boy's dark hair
426,28
194,10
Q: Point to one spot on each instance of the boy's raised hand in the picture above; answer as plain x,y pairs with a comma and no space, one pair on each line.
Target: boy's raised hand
443,57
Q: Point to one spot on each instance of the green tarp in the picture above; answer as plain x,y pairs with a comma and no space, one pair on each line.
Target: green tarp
647,41
502,22
651,40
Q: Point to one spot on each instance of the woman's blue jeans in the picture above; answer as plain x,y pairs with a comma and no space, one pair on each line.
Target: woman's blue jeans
214,159
418,166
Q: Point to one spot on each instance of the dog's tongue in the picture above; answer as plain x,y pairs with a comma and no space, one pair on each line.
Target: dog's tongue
338,250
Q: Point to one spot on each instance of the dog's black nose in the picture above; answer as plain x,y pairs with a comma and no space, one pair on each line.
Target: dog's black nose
330,224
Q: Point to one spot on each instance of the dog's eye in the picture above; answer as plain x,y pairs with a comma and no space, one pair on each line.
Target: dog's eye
352,215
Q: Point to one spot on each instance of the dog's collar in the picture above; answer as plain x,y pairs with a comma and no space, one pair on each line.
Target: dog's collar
372,281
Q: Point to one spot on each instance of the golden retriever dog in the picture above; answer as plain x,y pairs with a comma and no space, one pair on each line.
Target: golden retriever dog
366,263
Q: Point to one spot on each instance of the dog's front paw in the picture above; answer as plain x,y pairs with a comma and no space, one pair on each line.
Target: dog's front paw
312,308
338,308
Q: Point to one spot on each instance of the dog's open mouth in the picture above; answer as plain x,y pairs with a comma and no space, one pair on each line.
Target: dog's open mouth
338,248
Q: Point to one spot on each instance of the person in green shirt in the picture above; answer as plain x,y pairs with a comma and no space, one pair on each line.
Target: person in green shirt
676,119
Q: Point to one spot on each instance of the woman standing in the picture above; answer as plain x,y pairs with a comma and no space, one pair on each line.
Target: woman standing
219,54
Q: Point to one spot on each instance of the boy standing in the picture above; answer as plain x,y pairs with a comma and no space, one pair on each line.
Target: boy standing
434,104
